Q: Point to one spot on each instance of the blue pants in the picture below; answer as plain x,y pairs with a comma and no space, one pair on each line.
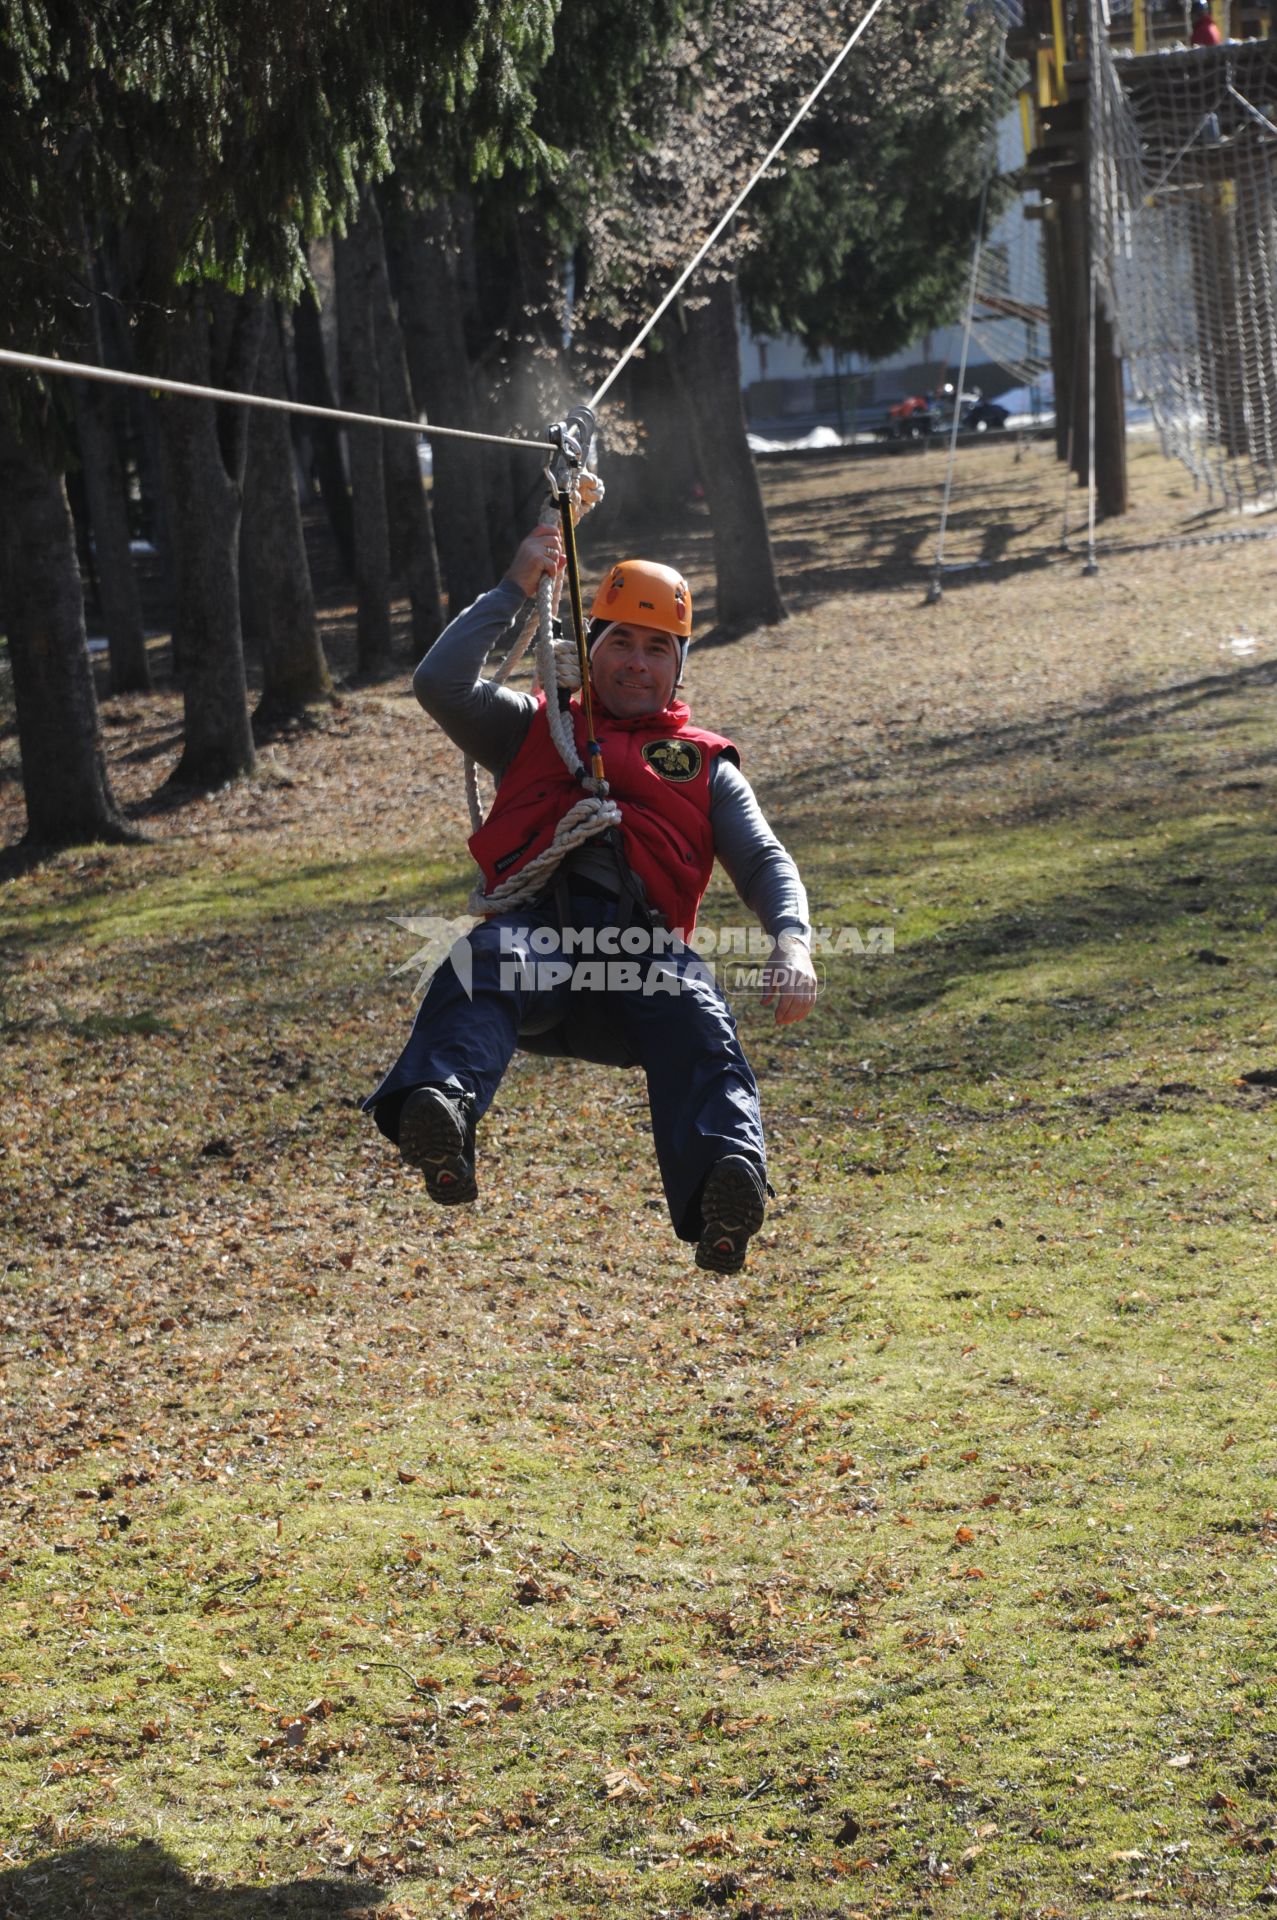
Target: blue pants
667,1015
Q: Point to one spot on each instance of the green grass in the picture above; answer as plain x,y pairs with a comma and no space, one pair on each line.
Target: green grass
360,1555
159,892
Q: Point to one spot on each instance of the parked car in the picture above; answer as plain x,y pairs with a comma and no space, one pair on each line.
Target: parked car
982,416
919,415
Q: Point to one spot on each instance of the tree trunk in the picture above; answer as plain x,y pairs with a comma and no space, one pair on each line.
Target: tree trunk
1060,321
1111,495
423,268
361,393
144,412
315,389
118,350
1110,410
273,555
1077,280
667,472
705,362
1215,289
95,421
412,537
204,464
64,777
490,314
1256,248
538,389
650,483
117,582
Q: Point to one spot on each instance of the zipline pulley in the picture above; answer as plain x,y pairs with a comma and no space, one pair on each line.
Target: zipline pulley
572,490
573,437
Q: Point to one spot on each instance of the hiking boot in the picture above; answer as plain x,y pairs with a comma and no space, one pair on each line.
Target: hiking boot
732,1208
436,1134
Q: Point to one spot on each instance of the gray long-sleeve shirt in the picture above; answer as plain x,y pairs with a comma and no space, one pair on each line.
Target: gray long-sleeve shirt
490,723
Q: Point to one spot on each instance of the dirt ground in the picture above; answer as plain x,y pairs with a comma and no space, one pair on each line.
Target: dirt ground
495,1562
1020,640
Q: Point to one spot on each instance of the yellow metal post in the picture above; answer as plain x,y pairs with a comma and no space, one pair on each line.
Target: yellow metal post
1140,23
1061,51
1026,120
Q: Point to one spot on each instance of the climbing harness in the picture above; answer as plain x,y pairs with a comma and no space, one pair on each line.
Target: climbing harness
572,489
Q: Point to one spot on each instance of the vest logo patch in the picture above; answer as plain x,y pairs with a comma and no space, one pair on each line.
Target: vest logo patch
508,859
677,760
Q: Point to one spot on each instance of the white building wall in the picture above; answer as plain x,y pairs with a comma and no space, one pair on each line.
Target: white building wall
786,359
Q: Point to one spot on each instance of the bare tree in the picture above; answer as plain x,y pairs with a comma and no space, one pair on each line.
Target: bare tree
64,777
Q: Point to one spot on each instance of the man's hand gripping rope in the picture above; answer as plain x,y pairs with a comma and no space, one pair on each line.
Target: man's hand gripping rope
539,568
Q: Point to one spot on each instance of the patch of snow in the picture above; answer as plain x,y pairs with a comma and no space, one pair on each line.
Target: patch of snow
818,437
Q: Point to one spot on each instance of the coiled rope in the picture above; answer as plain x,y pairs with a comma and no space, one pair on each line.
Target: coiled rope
557,666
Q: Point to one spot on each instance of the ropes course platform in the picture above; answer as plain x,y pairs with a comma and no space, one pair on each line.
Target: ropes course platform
1185,216
1157,171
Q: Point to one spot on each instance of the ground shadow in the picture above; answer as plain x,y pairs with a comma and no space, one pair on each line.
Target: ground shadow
1087,731
1193,887
22,857
124,1882
895,548
162,743
1119,716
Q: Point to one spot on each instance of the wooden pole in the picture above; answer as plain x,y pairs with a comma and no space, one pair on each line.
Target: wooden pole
1077,288
1111,493
1059,320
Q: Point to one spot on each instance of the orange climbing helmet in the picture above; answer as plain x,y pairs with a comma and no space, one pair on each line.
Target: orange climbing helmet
643,593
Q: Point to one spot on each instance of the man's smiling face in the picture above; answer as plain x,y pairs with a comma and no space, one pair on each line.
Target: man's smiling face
634,670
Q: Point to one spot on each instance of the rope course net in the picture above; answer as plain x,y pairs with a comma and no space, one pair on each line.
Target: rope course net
1009,321
1182,177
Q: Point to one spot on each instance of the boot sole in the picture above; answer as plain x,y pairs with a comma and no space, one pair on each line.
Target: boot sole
431,1139
733,1210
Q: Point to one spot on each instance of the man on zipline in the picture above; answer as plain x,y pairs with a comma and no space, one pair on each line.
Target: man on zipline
683,800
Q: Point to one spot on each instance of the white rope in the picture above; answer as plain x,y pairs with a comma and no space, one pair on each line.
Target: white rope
557,666
589,816
1092,565
935,590
474,801
150,383
737,204
547,673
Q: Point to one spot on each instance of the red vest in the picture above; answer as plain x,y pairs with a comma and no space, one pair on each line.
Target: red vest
658,769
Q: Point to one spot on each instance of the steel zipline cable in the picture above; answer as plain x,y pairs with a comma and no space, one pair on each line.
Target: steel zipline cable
150,383
737,203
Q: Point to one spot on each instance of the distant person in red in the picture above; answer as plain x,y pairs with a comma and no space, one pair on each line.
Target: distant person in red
1205,33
